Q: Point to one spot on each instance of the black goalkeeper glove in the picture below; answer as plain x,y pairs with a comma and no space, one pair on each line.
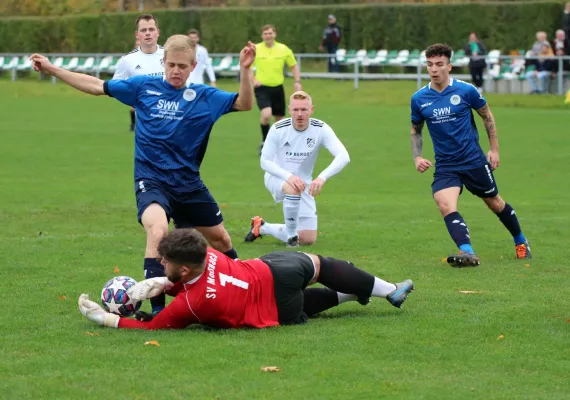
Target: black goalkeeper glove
143,316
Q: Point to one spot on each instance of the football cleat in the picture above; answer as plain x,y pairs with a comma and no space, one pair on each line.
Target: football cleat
293,242
523,250
398,296
254,232
463,259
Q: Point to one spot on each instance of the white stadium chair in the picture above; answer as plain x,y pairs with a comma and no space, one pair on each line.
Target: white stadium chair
359,57
493,57
340,55
24,64
10,64
87,66
401,59
224,64
58,62
73,63
104,64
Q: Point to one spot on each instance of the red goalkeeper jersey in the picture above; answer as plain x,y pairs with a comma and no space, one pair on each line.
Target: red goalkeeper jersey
228,294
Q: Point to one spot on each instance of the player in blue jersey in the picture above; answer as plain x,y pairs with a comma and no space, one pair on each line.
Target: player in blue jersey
173,126
445,104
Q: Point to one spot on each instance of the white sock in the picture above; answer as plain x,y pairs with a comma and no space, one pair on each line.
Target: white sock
343,297
291,206
275,230
382,288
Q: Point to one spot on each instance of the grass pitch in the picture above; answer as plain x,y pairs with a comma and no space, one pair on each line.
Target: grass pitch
68,219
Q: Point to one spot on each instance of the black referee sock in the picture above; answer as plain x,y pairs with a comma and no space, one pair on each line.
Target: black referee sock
132,117
153,269
344,277
232,253
317,300
264,131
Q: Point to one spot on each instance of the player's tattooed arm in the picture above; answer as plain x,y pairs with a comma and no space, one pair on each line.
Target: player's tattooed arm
416,139
490,127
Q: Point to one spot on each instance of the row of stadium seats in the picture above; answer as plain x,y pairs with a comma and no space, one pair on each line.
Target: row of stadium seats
405,58
105,64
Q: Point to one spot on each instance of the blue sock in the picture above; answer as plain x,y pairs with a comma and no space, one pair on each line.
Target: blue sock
153,269
458,231
232,253
509,218
466,248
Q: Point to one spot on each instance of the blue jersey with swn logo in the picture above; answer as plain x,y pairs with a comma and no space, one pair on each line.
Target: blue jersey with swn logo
172,127
451,124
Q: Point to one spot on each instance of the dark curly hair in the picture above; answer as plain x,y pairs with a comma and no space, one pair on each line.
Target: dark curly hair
439,49
184,247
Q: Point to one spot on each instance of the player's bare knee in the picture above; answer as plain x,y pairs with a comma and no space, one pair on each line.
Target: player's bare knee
219,239
307,238
265,116
155,233
446,208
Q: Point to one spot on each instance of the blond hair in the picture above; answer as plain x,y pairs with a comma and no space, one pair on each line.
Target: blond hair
180,43
301,95
268,27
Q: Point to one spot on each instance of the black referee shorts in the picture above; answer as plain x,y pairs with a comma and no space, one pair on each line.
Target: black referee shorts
271,96
292,271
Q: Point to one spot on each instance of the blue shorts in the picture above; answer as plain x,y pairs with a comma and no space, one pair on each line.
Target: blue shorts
187,210
479,181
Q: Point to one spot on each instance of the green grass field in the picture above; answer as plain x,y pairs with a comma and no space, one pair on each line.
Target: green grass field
68,219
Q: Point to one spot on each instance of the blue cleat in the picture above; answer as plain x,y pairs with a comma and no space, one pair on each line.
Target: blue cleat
523,250
398,296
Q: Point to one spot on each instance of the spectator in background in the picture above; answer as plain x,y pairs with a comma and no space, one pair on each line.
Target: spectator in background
561,47
543,68
331,39
541,39
566,20
476,51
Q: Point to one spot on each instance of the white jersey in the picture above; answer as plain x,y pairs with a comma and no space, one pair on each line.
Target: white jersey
203,64
288,151
139,63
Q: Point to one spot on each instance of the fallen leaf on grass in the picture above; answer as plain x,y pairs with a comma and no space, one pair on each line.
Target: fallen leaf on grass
270,369
363,257
501,337
224,205
62,297
444,259
152,343
527,265
470,291
568,321
116,270
91,333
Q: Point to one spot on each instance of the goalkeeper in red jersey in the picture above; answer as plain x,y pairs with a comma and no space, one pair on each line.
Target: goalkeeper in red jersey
214,290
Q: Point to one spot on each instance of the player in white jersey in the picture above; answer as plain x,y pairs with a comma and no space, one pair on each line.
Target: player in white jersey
288,159
147,58
203,63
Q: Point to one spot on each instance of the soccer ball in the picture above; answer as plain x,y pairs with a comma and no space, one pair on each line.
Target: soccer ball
115,298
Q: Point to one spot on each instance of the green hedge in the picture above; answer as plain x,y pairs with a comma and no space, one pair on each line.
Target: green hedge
504,26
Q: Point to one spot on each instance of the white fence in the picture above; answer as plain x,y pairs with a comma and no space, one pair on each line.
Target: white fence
503,73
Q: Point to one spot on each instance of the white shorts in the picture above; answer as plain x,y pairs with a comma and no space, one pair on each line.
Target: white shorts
308,209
